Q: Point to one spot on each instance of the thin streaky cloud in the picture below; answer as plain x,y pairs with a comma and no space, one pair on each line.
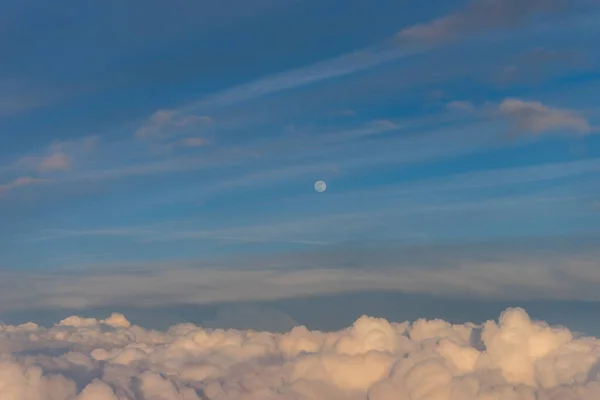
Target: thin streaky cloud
481,16
328,69
55,162
499,177
20,183
276,232
419,149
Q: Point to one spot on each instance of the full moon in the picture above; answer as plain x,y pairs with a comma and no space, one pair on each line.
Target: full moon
320,186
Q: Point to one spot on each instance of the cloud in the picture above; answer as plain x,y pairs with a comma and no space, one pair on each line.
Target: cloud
193,142
475,272
529,116
18,96
250,317
55,162
538,64
164,123
57,156
535,117
19,183
460,106
343,65
480,16
513,357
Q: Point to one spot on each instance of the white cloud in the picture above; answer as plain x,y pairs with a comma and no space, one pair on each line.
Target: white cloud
513,358
482,15
535,117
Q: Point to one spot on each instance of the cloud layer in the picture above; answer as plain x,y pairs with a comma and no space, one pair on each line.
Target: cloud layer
87,359
556,269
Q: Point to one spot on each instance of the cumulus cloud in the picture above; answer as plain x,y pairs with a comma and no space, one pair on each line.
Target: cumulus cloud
535,117
482,15
513,358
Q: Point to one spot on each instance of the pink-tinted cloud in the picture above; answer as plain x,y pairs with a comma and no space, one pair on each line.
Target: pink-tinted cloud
55,162
19,183
535,117
481,15
165,123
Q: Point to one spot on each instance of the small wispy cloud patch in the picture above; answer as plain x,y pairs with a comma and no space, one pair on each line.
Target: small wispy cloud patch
460,105
19,183
55,162
528,116
193,142
535,117
164,123
480,16
58,156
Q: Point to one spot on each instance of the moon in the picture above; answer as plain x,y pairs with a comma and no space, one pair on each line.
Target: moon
320,186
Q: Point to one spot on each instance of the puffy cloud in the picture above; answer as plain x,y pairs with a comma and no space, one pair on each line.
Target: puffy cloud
482,15
97,390
513,358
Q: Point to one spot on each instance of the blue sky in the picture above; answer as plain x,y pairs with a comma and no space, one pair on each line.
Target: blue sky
154,132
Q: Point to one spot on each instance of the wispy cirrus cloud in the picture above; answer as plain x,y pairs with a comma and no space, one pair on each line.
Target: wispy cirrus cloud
19,183
477,270
328,69
193,142
388,206
535,117
164,123
58,156
55,162
480,16
529,116
460,105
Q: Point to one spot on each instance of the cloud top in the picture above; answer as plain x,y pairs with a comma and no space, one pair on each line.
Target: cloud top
88,359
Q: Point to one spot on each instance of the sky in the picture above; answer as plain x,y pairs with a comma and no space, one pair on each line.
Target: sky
163,154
